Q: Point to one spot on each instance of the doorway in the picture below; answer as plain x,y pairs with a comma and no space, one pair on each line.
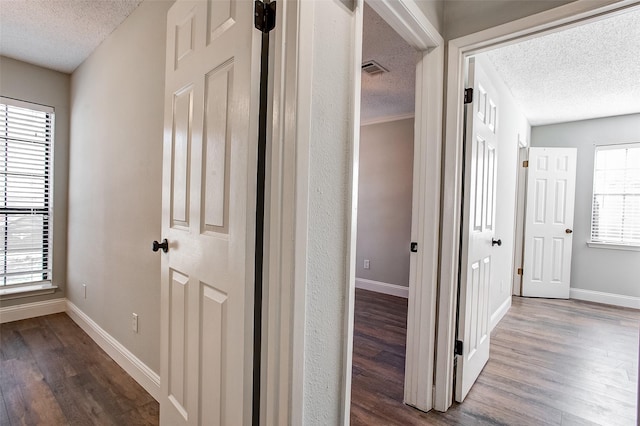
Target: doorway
474,48
416,238
383,247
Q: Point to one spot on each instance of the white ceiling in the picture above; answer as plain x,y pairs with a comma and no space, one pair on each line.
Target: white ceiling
585,72
58,34
392,93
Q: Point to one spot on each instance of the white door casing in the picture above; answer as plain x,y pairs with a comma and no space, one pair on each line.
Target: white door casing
478,230
551,184
208,213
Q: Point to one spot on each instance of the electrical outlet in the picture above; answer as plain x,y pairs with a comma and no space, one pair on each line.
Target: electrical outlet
134,322
84,290
367,264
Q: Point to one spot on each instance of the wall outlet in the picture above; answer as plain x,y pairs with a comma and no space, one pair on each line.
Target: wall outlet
134,322
84,290
367,264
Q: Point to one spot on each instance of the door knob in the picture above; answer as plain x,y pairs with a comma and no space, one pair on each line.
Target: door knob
568,231
496,242
164,245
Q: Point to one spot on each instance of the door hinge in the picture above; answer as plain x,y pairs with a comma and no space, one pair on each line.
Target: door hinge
525,163
520,271
468,95
414,247
265,15
458,348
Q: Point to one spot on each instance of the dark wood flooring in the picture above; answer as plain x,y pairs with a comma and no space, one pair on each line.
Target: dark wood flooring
553,362
52,373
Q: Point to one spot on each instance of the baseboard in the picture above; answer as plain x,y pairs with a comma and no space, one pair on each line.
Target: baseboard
141,373
32,310
606,298
380,287
497,316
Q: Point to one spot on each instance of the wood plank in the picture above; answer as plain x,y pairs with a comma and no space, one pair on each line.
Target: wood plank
553,362
53,373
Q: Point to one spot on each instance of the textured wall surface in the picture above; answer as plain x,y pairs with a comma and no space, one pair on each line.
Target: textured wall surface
597,269
384,201
31,83
329,184
115,181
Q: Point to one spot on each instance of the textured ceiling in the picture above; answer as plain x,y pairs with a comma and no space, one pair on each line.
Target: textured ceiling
585,72
392,93
58,34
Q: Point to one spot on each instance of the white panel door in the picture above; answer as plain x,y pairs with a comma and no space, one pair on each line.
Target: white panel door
208,213
478,229
548,231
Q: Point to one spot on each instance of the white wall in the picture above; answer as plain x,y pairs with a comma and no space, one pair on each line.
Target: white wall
511,127
31,83
385,189
117,98
331,121
595,269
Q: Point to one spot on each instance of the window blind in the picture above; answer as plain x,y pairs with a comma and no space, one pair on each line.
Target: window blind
615,215
26,141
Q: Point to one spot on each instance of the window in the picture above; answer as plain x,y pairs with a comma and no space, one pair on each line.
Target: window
26,141
615,217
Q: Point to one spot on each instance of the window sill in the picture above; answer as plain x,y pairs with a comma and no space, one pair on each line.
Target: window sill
611,246
15,292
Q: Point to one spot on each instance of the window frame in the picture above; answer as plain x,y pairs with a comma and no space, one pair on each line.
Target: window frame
615,245
43,286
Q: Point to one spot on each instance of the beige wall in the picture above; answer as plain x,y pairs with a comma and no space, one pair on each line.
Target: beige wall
384,201
434,11
117,98
31,83
462,17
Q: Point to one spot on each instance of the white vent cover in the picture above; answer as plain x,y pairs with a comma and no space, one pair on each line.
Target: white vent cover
372,68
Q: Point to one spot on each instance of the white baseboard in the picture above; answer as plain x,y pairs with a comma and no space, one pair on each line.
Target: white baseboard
380,287
606,298
32,310
141,373
499,313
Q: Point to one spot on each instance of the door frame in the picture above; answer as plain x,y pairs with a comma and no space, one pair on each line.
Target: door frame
287,209
408,21
557,19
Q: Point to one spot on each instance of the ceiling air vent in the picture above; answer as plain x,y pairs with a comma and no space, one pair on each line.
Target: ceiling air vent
372,68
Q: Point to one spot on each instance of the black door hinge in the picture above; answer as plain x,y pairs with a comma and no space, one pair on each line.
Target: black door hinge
265,15
468,95
458,348
414,247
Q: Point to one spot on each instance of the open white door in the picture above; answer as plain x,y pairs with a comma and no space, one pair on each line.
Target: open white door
208,213
551,187
478,225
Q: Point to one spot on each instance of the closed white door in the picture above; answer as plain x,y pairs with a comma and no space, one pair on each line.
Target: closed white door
548,231
208,213
478,245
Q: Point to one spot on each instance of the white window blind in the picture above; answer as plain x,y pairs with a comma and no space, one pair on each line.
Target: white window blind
26,141
615,215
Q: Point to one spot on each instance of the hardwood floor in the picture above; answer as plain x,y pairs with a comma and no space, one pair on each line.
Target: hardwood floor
52,373
553,362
